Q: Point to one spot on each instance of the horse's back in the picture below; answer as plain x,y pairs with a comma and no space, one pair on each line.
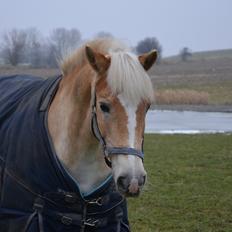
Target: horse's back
12,91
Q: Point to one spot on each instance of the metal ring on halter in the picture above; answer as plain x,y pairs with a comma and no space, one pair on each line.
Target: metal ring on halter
110,150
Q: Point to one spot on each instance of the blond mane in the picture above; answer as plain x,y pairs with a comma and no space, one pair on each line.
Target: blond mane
125,76
78,58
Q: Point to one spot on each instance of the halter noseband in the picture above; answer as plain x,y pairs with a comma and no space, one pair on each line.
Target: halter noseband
110,150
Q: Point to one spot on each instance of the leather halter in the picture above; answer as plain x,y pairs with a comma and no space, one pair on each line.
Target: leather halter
110,150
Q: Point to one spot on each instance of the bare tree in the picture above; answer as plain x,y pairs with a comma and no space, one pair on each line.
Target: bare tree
13,45
185,53
34,53
63,41
147,45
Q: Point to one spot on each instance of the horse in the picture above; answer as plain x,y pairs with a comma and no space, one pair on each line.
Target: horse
72,146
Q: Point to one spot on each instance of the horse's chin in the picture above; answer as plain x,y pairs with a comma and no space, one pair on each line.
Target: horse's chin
132,195
128,194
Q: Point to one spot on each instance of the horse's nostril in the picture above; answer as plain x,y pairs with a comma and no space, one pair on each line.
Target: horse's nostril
142,181
122,182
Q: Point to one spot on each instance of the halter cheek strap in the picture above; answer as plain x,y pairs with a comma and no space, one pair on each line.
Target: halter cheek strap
110,150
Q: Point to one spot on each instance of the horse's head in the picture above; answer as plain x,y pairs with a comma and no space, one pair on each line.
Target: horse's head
121,97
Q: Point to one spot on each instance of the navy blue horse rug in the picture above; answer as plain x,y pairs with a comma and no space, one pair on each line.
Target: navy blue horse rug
36,192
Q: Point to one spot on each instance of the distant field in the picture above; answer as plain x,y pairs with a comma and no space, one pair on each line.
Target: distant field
215,54
189,185
207,74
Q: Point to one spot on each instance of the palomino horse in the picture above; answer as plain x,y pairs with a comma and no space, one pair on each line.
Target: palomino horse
72,146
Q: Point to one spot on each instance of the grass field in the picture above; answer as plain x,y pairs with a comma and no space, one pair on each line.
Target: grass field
189,187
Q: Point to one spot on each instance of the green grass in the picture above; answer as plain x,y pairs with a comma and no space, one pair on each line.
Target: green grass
189,185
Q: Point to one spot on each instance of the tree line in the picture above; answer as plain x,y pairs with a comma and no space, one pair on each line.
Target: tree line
31,47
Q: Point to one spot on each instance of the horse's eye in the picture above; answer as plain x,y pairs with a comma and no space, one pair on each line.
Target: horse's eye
105,107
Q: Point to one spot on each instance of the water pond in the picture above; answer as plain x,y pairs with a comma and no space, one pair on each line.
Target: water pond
187,122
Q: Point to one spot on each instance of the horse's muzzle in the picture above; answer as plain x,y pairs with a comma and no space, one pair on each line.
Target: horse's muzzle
130,186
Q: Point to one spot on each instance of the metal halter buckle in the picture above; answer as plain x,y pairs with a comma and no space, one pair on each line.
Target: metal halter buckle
91,222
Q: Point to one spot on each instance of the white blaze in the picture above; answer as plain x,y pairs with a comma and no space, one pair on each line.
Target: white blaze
131,115
131,126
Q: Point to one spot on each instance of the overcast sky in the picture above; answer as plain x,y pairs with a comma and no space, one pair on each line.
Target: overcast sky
197,24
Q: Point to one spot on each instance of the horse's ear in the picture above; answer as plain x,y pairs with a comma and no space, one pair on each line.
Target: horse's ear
148,59
99,62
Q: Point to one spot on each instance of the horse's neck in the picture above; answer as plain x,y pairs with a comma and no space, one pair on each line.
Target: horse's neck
69,120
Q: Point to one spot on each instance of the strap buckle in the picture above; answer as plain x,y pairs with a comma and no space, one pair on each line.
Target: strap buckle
97,201
66,220
38,205
91,222
70,198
